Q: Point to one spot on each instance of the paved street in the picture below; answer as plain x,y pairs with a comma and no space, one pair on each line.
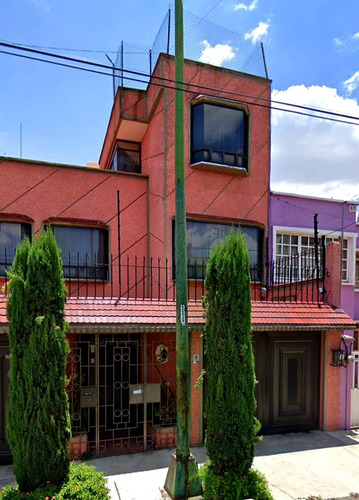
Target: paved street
296,466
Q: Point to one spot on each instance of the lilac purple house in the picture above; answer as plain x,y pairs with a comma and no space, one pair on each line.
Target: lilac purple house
291,233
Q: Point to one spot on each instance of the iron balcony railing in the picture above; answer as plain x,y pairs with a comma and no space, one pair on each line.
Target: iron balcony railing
299,278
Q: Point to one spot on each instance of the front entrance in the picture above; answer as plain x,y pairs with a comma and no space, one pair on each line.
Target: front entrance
5,456
122,392
288,374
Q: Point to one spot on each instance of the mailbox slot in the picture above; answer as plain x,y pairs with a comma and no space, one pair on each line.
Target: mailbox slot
153,393
88,397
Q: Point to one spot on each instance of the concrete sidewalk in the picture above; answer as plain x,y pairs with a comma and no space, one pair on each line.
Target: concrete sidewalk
296,466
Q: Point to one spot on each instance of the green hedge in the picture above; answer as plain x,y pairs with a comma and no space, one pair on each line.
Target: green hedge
84,483
233,486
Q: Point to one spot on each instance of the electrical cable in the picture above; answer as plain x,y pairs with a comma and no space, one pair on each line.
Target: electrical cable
194,92
172,81
169,80
172,88
67,49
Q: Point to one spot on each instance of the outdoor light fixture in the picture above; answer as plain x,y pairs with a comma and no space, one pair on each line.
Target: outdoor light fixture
343,357
338,357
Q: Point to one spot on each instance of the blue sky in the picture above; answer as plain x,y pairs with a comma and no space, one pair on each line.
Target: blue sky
311,48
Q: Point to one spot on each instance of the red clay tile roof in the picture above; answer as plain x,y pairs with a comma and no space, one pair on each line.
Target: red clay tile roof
299,316
145,314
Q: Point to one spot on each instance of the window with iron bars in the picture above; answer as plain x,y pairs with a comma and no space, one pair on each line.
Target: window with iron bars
297,255
11,234
84,252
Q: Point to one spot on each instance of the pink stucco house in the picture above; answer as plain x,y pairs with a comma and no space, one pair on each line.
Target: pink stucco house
115,224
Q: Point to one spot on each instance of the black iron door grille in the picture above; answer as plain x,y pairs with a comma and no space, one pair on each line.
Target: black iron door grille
122,396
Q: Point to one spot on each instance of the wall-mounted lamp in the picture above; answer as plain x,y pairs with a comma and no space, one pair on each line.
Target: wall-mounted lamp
342,357
338,357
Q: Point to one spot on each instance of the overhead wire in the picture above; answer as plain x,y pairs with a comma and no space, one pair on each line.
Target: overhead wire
180,84
171,81
66,49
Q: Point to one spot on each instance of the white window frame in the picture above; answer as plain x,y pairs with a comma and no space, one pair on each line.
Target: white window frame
349,236
356,282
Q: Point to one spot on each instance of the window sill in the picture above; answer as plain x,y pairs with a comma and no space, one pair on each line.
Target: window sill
220,168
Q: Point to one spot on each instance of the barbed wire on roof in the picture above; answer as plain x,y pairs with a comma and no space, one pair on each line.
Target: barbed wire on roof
204,41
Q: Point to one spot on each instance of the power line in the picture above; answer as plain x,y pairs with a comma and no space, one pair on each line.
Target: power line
72,49
172,81
66,49
169,80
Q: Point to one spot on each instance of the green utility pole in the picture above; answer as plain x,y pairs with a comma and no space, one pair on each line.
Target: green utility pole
179,481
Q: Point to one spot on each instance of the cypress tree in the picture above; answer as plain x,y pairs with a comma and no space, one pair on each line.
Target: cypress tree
38,415
231,404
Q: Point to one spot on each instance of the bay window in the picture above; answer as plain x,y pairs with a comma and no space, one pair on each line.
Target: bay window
127,157
219,135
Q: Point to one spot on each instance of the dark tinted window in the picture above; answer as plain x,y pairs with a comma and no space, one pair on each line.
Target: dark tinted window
219,135
201,236
84,251
11,234
127,157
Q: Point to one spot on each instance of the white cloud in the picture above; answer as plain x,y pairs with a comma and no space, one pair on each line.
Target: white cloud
311,156
258,32
338,42
248,8
352,83
216,55
349,42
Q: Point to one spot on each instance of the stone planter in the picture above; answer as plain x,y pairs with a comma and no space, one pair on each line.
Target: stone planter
78,446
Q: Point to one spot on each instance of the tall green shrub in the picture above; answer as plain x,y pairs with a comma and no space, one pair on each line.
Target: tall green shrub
38,415
231,404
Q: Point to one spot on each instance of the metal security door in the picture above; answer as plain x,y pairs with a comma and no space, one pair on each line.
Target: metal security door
82,391
120,423
122,393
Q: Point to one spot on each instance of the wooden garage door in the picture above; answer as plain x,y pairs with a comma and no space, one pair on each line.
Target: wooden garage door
287,370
